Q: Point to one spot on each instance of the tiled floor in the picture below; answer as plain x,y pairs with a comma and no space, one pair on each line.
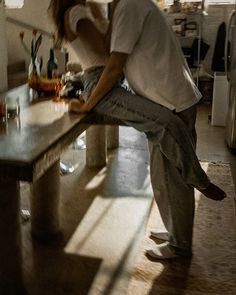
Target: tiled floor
103,216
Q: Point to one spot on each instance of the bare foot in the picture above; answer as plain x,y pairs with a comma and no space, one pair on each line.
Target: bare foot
213,192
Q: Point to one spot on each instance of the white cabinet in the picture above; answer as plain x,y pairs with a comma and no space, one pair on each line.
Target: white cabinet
220,100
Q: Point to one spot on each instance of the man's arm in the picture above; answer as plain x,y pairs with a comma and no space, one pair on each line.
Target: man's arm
108,79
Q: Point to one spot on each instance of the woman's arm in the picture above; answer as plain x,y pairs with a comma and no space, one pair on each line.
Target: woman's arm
96,10
108,79
88,32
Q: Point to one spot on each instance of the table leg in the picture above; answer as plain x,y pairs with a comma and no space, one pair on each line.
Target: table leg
96,152
10,241
112,136
45,204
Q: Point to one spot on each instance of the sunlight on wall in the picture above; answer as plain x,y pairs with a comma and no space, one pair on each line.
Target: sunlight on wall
14,3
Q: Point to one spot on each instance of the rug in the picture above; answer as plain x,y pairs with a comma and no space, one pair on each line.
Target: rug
212,269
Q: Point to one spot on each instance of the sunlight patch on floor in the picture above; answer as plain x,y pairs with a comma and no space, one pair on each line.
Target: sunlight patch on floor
198,194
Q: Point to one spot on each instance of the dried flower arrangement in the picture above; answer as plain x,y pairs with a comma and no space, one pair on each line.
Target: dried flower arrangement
35,65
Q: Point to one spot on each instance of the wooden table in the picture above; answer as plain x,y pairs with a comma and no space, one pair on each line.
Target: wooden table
30,149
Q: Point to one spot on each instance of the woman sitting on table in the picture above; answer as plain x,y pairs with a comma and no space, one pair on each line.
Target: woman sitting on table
83,26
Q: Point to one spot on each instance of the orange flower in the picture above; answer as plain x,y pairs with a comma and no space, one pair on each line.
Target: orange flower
21,35
34,32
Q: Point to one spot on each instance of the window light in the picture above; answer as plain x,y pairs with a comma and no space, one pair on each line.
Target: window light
14,3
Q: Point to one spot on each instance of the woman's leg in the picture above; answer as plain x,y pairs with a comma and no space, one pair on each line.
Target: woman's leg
162,127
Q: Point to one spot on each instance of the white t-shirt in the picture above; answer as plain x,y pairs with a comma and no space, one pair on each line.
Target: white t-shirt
86,56
155,67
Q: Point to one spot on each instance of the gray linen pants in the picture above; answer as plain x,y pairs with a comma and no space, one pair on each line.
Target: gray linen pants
175,198
175,169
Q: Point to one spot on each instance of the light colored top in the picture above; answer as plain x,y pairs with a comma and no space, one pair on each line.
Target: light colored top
86,56
155,67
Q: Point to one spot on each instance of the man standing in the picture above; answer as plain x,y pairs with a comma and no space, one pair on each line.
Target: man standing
144,47
156,69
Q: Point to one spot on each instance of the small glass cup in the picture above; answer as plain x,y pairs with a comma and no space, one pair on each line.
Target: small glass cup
3,110
3,127
12,107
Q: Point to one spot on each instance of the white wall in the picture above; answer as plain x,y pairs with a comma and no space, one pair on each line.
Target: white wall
3,50
34,12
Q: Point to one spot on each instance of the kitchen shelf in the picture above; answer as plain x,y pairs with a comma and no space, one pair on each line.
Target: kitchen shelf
187,41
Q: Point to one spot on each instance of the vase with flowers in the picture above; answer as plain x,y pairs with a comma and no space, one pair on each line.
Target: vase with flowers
36,81
35,65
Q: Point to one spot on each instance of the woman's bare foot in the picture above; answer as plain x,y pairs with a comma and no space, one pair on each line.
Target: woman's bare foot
213,192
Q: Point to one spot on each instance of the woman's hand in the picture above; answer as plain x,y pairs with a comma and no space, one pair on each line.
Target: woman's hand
77,106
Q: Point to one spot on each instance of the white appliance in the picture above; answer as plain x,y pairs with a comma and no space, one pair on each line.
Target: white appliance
219,100
230,61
